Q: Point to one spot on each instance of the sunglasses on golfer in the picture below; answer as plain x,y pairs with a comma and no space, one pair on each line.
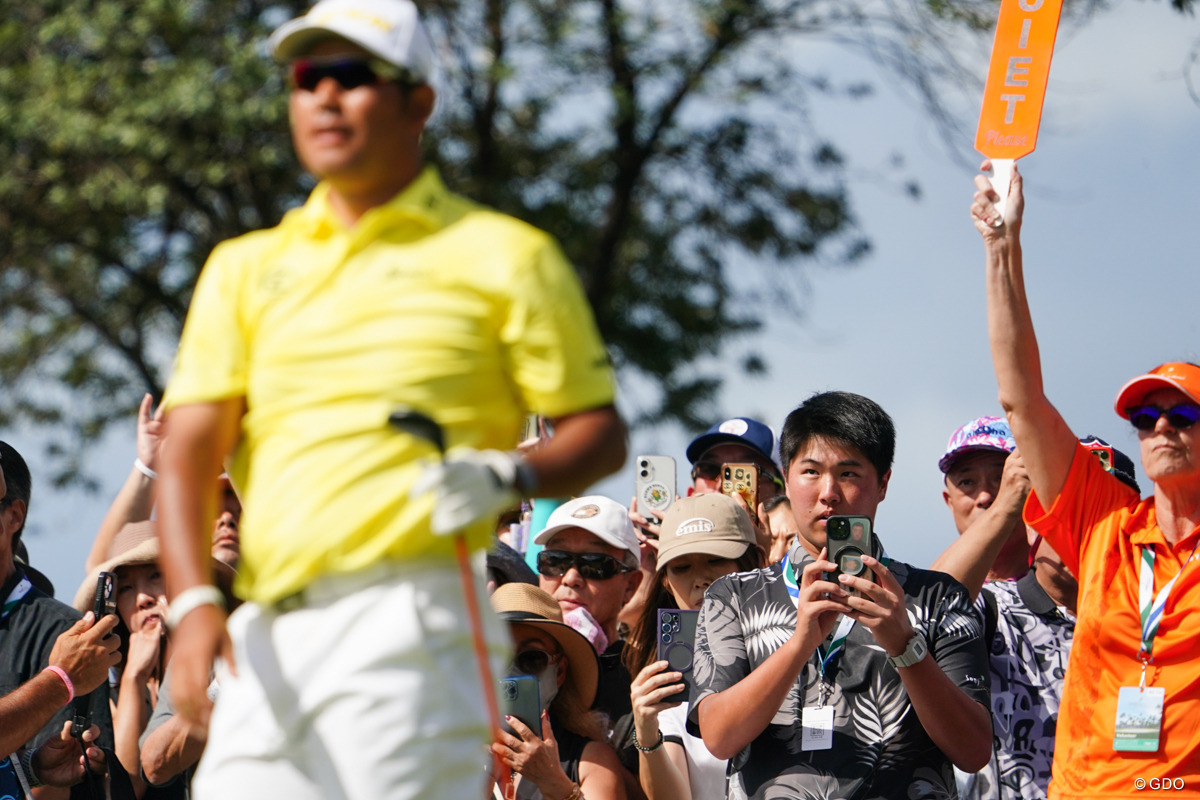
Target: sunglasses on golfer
534,662
1182,416
349,72
593,566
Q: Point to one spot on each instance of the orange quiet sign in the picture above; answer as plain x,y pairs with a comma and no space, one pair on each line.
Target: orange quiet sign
1016,82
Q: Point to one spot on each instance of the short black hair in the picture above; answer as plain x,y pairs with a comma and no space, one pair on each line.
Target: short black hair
775,502
845,418
16,477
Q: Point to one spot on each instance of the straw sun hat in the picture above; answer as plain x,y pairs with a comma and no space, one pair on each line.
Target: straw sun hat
136,543
529,605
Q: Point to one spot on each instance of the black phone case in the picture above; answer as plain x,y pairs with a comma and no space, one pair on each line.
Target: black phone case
676,643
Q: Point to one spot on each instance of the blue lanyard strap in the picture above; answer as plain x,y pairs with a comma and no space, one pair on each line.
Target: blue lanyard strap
1152,604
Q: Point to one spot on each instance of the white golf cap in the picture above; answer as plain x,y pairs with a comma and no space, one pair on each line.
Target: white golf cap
389,29
607,519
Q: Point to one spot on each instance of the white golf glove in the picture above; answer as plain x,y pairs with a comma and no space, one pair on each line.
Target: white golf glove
469,486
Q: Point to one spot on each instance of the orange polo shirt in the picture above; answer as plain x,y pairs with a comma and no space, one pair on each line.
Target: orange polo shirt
1098,525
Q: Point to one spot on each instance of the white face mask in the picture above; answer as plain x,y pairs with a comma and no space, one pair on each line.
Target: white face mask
548,685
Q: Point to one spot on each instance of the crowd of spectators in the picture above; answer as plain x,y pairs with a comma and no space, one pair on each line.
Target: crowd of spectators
731,646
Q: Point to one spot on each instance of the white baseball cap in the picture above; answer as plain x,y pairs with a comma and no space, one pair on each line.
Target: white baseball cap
389,29
596,514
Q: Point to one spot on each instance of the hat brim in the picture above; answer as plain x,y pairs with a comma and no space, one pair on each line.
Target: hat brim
595,529
702,444
583,671
146,552
297,38
947,461
721,548
1135,391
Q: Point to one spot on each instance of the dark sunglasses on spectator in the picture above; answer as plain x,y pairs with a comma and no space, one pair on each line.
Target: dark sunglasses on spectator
711,471
349,72
534,662
593,566
1182,416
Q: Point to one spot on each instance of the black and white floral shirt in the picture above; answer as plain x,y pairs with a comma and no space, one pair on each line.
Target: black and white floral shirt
879,748
1029,649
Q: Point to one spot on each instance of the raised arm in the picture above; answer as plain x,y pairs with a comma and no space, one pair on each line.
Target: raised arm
135,501
1046,442
970,557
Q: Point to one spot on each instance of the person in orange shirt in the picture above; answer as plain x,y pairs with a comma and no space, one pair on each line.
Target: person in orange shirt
1131,700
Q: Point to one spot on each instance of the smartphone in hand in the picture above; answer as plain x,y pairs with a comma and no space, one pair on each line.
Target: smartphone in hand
676,643
520,697
654,485
104,603
847,539
741,479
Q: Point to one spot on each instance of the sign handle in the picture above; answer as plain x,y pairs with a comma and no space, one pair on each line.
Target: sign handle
1001,179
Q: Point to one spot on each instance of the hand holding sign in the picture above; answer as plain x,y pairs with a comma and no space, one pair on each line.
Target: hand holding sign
1016,86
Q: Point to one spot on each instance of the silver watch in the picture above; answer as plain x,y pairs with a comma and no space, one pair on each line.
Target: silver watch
914,652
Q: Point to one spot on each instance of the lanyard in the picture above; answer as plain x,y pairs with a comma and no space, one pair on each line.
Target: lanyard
829,657
1152,604
16,596
826,658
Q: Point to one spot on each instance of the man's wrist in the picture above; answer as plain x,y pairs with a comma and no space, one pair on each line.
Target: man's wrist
30,772
190,599
526,480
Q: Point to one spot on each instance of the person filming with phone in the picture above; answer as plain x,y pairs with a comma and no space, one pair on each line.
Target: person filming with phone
821,683
704,537
556,745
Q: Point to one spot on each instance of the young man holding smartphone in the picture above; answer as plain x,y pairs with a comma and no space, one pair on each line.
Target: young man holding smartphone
810,691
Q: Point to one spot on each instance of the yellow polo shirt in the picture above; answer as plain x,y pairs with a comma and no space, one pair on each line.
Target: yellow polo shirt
429,302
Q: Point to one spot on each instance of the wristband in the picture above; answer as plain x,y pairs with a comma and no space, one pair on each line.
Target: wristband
190,599
30,773
66,679
141,467
652,747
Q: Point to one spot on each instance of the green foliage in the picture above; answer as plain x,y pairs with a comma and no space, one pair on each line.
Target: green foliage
665,144
135,136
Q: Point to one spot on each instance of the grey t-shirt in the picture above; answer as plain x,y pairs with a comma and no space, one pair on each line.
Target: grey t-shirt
880,749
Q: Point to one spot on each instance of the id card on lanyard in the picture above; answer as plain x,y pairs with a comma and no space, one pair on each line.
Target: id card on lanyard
1140,708
816,722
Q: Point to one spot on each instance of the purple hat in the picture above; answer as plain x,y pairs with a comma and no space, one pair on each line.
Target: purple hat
739,430
985,433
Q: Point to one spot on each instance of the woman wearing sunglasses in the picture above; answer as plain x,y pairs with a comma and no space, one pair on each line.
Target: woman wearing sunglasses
1134,698
704,537
571,759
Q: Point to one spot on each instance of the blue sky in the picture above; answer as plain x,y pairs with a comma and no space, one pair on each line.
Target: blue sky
1110,262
